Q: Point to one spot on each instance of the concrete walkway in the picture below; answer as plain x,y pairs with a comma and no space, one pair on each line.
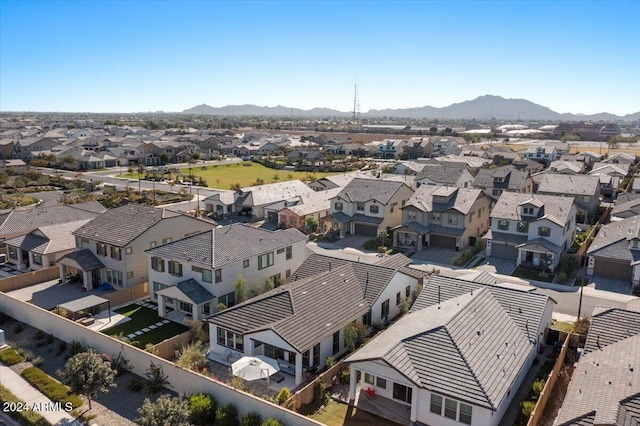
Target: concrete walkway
27,393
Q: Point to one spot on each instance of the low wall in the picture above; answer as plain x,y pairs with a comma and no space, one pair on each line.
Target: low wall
305,395
127,295
551,382
29,278
180,380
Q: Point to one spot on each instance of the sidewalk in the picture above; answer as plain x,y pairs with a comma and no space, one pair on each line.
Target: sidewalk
24,391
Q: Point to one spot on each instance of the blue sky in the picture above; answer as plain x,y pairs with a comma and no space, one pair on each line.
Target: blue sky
128,56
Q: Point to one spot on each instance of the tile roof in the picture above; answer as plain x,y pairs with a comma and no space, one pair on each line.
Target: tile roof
567,165
467,347
55,238
85,259
524,307
26,220
188,290
232,244
610,168
605,386
460,199
274,192
552,183
613,239
442,173
401,263
511,179
315,202
121,225
632,207
556,209
302,312
548,245
370,189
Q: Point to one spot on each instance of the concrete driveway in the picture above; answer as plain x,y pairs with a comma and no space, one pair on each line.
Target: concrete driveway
498,265
439,255
353,241
609,284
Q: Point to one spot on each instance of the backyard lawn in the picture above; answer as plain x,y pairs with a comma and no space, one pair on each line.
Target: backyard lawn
142,317
528,274
338,414
224,175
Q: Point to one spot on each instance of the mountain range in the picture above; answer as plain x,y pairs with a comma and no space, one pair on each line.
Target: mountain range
481,108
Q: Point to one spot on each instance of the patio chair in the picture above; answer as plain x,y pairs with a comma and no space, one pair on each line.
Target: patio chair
370,392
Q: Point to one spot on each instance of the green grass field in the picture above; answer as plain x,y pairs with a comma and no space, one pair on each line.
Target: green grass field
224,175
338,414
142,317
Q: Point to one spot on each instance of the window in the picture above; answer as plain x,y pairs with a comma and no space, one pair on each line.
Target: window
305,359
157,287
157,264
398,298
218,275
206,275
369,378
450,408
528,210
336,342
436,404
265,260
13,253
276,280
544,231
381,383
228,299
116,253
374,209
128,250
466,412
152,244
436,216
402,393
523,227
186,307
101,249
166,240
287,273
175,268
230,339
316,354
37,259
280,251
52,260
129,275
453,219
245,263
411,215
366,318
385,309
289,252
407,291
586,198
78,242
337,205
360,206
496,191
114,277
503,225
393,206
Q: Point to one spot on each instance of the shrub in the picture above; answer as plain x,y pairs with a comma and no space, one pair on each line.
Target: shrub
250,419
321,393
39,335
10,356
49,339
120,364
536,389
283,395
202,408
76,347
25,417
227,415
37,361
562,276
330,361
157,378
62,347
377,326
17,329
272,422
581,326
193,356
55,391
135,385
345,375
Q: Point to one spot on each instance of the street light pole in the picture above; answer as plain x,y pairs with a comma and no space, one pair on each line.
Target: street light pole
198,195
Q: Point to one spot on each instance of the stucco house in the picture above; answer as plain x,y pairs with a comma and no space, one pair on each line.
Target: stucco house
367,206
195,274
584,189
443,216
615,252
440,362
302,323
253,199
315,205
110,248
444,174
542,154
532,229
494,181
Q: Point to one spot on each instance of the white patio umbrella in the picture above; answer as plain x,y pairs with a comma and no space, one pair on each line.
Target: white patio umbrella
255,367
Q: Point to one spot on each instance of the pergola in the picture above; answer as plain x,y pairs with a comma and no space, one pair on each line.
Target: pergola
87,304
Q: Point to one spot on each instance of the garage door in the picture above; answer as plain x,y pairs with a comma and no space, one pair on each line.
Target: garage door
504,250
272,217
611,269
362,229
442,241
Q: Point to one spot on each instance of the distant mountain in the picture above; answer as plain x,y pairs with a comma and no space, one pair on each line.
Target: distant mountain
481,108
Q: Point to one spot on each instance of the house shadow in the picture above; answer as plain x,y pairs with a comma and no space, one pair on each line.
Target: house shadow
59,293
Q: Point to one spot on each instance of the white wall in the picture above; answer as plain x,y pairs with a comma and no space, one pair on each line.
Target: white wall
398,283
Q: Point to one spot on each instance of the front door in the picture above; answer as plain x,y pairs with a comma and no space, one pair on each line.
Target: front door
529,256
25,258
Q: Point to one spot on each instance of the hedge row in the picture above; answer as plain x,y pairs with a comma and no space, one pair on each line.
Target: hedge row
10,356
54,390
26,418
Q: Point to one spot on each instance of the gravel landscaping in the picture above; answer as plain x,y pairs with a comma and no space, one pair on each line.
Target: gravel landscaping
118,407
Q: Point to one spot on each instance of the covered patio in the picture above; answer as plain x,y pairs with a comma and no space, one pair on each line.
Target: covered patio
83,310
84,265
188,297
539,253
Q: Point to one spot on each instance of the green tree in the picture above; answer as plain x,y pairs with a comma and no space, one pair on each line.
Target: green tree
276,177
240,287
202,408
268,284
350,335
311,223
193,356
166,411
87,373
255,288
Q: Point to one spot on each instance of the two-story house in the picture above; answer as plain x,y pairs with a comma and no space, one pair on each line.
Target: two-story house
494,181
584,189
542,154
302,323
532,229
110,248
194,275
254,199
443,216
367,206
389,148
567,167
444,174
